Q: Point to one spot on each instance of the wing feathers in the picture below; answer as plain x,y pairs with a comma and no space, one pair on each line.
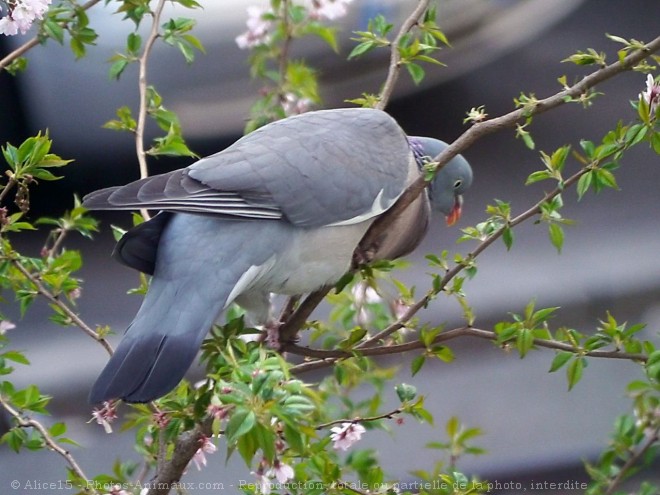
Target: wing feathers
331,167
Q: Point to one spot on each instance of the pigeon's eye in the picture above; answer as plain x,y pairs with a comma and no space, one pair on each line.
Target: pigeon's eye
458,183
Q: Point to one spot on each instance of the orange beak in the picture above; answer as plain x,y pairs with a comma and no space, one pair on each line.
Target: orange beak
455,212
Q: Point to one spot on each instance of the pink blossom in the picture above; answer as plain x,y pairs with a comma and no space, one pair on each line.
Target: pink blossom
258,32
207,447
218,411
346,435
105,415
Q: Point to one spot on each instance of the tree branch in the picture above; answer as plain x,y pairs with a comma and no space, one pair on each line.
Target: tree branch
328,357
468,138
395,56
368,419
142,86
51,298
50,442
28,45
634,459
170,472
292,326
481,129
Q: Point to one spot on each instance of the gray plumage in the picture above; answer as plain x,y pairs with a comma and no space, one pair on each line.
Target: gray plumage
279,211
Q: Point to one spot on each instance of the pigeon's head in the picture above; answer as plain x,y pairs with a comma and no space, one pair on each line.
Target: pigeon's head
449,184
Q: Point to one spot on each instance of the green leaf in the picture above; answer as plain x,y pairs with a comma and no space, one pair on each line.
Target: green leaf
15,356
584,183
560,359
416,71
556,233
241,422
574,371
58,429
417,364
538,176
361,49
507,237
406,392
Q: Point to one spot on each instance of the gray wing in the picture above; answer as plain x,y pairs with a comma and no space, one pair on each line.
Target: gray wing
321,168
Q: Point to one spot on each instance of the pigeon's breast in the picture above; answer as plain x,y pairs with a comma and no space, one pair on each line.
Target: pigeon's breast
314,258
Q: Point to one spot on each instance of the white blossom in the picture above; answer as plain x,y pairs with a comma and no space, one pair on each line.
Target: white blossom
21,14
329,9
346,435
118,490
293,105
282,472
258,32
652,94
263,483
5,326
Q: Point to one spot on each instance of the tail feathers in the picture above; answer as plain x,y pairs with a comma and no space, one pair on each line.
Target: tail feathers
139,246
158,347
145,368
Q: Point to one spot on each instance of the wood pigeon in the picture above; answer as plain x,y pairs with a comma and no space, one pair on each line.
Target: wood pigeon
280,211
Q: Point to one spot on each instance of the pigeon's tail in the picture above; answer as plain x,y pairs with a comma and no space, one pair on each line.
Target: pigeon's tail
159,346
200,267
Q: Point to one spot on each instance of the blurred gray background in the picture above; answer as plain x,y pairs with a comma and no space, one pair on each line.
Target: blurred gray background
534,429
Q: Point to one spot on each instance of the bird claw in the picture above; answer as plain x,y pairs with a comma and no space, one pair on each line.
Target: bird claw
362,257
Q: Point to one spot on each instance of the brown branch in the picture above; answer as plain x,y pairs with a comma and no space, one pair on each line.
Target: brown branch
170,472
50,442
51,298
286,45
292,326
369,419
8,187
142,86
450,274
328,357
630,463
464,141
481,129
28,45
395,56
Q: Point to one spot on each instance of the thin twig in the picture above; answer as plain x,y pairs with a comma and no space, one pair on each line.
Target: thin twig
50,442
395,56
325,357
368,419
634,459
28,45
142,86
464,141
286,45
57,243
450,274
50,297
8,187
481,129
